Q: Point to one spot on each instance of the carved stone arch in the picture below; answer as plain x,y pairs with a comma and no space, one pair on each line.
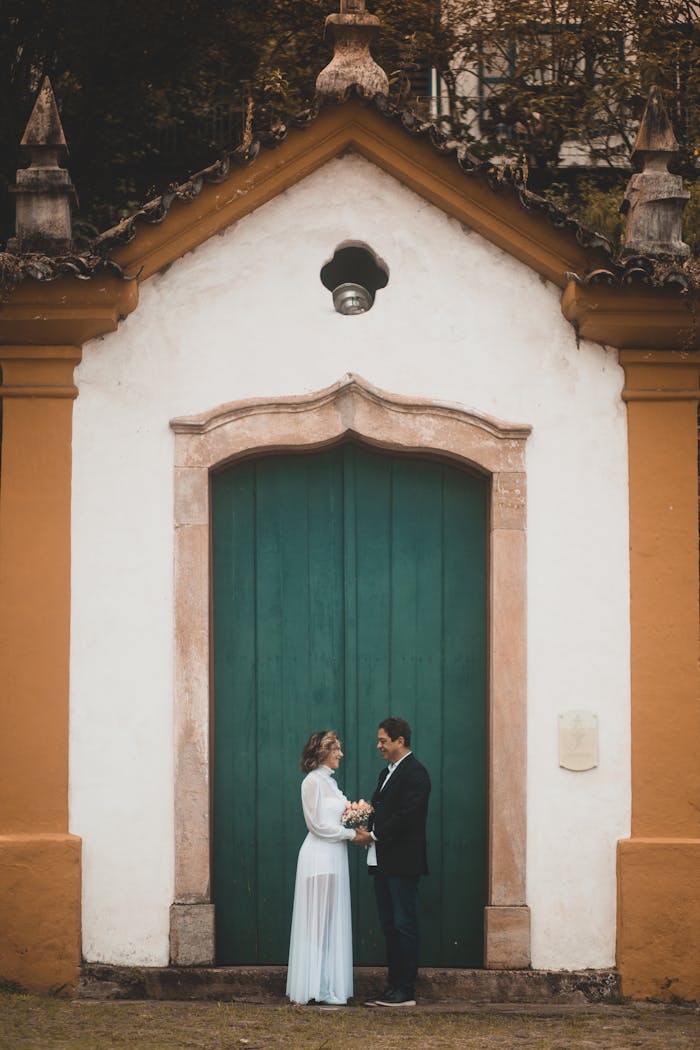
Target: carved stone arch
352,407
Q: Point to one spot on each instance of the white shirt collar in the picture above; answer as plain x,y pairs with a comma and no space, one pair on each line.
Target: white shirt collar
392,765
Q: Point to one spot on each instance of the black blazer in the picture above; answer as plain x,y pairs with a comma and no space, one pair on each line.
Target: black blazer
399,818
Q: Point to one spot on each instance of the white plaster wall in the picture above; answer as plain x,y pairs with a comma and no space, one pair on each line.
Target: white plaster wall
244,316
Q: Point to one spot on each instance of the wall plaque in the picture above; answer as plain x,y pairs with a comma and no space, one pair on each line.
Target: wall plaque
578,740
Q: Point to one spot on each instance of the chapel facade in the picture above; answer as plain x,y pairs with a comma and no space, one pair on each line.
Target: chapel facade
347,425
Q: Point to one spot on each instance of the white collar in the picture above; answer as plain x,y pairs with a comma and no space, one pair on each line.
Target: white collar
392,765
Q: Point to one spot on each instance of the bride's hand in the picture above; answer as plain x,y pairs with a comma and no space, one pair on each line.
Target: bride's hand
362,837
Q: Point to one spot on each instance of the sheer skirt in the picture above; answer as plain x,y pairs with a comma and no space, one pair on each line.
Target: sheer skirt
320,949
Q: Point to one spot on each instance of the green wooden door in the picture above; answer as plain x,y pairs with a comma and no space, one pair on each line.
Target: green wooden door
348,585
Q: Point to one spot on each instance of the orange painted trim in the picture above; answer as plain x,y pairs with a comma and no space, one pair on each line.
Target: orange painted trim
658,936
661,374
39,391
659,867
664,613
35,496
412,161
38,371
39,861
638,318
66,311
40,886
660,395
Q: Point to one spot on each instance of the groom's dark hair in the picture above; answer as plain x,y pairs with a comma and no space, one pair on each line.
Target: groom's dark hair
396,727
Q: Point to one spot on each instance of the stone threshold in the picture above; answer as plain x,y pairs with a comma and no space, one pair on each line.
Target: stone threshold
266,984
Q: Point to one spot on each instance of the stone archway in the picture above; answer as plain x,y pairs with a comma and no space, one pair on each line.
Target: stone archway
351,407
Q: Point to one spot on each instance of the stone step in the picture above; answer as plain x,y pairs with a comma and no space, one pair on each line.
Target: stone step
266,984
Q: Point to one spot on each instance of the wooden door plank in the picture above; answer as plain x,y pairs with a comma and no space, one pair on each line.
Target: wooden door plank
235,716
416,649
372,583
463,876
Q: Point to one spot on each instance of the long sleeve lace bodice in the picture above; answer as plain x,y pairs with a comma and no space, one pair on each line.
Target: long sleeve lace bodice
323,803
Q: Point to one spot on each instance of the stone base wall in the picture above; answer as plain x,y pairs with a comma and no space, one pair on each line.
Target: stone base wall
267,984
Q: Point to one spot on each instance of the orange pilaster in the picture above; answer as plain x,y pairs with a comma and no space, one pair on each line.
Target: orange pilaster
659,866
39,859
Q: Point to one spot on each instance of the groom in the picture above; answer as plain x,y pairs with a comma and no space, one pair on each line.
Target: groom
397,857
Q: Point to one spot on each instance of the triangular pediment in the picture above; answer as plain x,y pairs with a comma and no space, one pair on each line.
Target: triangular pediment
605,303
505,214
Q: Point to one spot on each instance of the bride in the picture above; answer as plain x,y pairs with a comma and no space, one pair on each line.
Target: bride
320,948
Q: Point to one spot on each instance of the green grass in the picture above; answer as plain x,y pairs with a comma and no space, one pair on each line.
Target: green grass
33,1023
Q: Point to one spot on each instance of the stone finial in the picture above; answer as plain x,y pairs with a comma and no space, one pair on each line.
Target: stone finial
44,192
654,198
351,32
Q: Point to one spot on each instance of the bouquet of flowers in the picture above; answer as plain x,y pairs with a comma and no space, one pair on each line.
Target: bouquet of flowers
356,814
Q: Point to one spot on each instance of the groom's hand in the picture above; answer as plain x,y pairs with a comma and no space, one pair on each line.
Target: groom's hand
362,837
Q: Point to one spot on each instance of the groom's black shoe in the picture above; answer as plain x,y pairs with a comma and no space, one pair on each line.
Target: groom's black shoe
384,995
397,997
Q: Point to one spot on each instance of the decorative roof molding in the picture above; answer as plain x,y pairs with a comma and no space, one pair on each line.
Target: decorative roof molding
16,267
637,270
64,312
500,179
633,317
492,201
355,120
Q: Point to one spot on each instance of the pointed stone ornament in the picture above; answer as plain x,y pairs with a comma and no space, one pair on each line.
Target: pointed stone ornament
654,198
351,32
44,192
44,128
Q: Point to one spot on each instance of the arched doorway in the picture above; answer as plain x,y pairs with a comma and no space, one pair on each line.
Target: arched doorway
348,584
351,410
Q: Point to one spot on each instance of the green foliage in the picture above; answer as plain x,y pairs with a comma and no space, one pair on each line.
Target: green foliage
151,90
545,74
594,202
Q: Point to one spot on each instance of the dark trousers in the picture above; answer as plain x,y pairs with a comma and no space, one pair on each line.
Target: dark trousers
397,904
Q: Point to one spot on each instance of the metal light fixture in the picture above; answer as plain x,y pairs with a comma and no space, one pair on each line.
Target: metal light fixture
354,275
350,298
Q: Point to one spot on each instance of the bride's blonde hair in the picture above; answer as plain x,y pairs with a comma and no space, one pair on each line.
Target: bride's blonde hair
316,748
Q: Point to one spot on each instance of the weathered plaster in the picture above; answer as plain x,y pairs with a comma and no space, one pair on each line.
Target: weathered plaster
246,316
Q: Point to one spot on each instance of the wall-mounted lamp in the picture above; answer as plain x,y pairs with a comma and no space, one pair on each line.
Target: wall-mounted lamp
350,298
354,275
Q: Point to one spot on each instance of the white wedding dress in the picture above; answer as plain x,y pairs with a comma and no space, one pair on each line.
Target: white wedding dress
320,946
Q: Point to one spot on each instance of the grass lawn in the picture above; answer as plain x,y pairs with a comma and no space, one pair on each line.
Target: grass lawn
33,1023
